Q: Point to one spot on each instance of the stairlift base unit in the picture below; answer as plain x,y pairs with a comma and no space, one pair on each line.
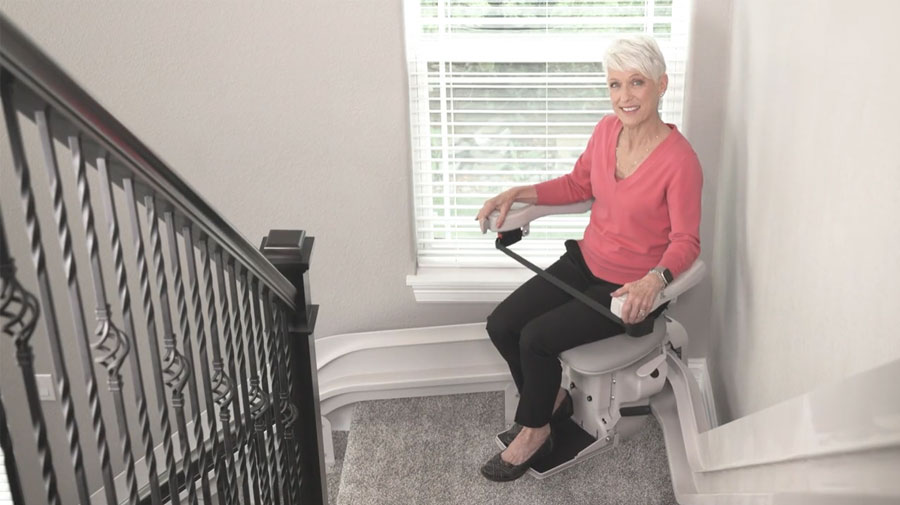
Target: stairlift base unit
598,423
611,380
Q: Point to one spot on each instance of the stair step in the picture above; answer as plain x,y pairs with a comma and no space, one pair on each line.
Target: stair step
428,450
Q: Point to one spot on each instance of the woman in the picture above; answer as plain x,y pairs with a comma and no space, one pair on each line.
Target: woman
643,231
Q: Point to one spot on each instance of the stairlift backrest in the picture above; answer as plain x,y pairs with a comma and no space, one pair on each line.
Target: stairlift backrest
521,215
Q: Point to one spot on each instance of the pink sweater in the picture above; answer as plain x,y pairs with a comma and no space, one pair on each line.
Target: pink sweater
647,219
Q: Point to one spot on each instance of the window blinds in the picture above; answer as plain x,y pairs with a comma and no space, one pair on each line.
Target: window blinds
505,93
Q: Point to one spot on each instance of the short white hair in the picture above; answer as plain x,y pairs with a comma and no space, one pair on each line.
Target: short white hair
638,52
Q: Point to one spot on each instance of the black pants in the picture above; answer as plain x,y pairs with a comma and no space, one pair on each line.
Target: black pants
538,321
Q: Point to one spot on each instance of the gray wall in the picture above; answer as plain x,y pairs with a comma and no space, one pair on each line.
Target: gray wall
808,200
288,116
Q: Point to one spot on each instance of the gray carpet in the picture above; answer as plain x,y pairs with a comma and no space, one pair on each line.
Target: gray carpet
428,451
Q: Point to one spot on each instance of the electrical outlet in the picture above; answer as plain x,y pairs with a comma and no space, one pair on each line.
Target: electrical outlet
46,390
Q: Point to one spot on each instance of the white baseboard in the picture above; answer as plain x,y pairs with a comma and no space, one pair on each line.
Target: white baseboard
380,365
411,362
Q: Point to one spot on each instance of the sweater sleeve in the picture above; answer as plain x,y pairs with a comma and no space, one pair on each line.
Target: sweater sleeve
574,186
683,197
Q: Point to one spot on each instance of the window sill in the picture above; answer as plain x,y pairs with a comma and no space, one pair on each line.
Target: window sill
465,285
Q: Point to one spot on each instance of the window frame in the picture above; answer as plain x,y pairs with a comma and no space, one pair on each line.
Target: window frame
492,282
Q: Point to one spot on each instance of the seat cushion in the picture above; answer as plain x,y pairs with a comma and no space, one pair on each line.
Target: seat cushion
615,352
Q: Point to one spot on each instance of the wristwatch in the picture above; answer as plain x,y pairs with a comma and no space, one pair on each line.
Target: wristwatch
664,275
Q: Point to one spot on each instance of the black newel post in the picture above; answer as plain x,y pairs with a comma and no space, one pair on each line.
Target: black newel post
290,252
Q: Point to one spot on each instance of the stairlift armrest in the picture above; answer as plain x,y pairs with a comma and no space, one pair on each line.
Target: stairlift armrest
521,214
688,279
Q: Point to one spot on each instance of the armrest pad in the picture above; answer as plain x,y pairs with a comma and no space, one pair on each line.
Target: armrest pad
688,279
520,214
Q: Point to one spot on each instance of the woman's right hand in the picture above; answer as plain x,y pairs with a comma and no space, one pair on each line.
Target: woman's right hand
504,201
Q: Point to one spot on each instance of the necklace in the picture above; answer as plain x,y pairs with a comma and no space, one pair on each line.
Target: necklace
624,169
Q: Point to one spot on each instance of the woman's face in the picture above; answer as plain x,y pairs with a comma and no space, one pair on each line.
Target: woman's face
634,97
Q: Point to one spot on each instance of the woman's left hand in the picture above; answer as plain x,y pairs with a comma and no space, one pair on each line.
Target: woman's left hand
642,293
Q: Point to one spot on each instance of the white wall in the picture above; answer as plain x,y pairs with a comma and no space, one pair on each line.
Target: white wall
808,199
706,87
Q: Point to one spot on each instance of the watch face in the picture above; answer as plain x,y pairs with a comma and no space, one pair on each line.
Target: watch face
668,275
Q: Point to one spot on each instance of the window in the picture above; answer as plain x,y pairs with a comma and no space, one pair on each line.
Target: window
504,93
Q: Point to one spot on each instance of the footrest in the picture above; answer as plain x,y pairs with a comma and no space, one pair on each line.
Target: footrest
568,441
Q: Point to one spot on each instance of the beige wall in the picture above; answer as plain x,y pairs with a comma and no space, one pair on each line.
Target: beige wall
808,199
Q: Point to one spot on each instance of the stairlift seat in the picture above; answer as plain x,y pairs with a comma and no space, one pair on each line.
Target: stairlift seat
610,380
620,351
614,353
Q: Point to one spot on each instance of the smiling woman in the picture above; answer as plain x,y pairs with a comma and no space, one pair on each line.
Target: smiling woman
644,230
637,81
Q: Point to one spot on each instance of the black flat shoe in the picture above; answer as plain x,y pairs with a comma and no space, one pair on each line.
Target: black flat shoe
565,411
509,435
498,470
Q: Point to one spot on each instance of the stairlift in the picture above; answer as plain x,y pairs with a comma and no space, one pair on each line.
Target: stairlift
610,380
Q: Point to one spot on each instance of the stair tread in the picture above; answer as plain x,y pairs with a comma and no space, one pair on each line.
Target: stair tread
428,450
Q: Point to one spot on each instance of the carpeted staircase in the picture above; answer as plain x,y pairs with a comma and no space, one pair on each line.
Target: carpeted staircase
428,451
